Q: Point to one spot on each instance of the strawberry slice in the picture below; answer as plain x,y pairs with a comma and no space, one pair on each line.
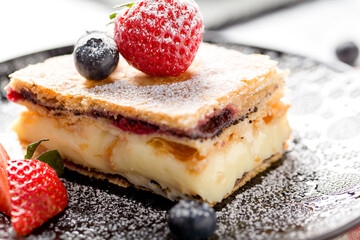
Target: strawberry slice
5,205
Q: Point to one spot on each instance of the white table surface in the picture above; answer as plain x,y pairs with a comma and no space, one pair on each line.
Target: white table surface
313,28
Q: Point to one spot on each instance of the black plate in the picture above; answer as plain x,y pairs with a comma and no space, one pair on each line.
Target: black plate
313,192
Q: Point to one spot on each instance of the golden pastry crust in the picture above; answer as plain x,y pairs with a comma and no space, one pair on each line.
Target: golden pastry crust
217,78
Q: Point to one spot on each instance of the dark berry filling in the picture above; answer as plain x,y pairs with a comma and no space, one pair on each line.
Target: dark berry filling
217,122
127,124
211,127
138,127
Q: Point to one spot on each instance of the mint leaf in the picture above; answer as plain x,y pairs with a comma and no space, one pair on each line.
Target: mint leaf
54,160
32,148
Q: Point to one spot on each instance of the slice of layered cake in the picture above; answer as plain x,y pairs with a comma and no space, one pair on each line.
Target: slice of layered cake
200,135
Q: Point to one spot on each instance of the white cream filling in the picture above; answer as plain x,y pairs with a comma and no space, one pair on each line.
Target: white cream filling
90,144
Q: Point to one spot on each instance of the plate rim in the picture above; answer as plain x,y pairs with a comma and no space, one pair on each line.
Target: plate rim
215,39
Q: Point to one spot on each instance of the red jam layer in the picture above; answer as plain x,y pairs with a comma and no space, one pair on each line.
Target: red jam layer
211,127
137,127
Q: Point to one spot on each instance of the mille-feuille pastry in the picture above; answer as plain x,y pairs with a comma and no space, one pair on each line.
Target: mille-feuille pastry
201,135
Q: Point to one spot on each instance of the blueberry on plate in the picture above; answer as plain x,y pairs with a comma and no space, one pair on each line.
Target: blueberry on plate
96,55
347,52
192,220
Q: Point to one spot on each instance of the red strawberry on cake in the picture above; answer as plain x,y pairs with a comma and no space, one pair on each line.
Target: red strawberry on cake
159,37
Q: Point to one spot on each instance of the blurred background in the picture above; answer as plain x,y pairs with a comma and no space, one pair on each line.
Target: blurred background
308,27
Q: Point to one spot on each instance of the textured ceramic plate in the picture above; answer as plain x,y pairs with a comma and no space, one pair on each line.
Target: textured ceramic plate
313,192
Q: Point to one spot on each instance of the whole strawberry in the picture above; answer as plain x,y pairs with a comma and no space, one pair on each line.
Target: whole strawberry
36,193
159,37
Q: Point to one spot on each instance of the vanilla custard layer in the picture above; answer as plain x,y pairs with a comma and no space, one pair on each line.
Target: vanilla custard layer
179,169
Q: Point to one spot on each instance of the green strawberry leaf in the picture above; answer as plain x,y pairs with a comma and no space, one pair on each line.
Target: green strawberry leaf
128,5
54,160
32,148
113,15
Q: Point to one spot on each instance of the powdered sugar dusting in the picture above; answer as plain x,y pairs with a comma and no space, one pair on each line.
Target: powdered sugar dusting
155,8
96,50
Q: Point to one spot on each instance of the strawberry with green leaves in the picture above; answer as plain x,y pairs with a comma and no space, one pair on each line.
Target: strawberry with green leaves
159,37
32,192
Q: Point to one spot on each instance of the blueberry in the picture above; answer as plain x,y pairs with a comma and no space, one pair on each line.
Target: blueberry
347,52
192,220
96,55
